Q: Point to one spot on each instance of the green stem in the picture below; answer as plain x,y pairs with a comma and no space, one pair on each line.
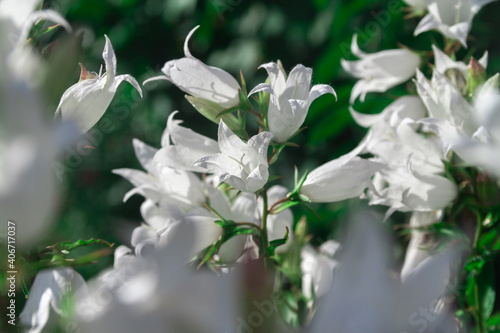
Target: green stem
479,310
479,228
263,236
285,199
479,313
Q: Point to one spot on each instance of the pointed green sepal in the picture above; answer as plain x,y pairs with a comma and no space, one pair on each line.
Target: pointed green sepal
214,112
275,154
285,205
243,84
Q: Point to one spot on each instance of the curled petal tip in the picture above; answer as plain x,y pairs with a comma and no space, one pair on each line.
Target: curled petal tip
187,53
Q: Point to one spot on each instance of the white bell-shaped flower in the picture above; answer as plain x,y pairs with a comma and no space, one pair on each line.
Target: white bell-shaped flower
86,101
379,71
199,80
452,18
290,98
242,165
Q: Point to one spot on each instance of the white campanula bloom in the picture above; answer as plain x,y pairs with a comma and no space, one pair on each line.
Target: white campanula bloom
393,135
479,143
462,126
86,101
444,101
290,98
483,149
410,180
241,165
162,184
181,146
379,71
444,63
45,304
404,107
452,18
199,80
343,178
404,188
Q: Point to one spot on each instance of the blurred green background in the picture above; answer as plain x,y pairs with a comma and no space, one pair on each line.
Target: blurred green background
234,35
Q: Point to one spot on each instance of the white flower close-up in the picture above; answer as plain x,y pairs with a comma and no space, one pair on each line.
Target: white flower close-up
290,98
242,165
86,101
199,80
378,72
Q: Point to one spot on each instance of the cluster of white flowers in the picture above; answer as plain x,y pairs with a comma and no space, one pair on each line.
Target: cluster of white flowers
217,241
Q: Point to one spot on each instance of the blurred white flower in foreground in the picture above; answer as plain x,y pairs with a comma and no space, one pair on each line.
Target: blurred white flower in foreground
290,98
52,289
160,293
452,18
86,101
199,80
19,17
28,146
241,165
317,268
366,297
418,4
16,20
379,71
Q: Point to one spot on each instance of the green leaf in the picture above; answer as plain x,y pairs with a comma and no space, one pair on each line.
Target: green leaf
295,194
477,262
230,230
480,293
264,98
275,154
69,246
285,205
209,252
244,102
275,243
213,112
494,320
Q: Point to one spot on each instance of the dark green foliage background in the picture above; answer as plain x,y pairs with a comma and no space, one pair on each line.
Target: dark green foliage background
234,35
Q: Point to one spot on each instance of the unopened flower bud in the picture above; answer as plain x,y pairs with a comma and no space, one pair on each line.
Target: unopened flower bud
476,76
